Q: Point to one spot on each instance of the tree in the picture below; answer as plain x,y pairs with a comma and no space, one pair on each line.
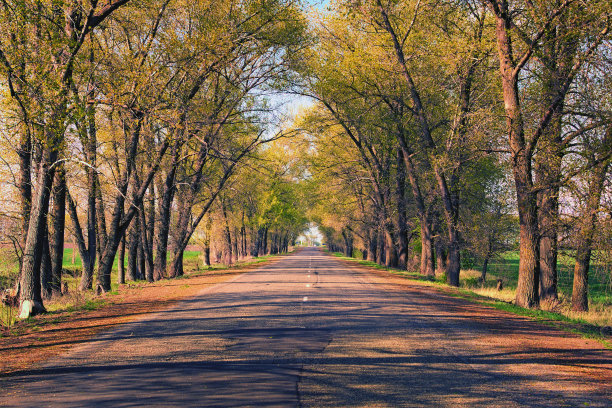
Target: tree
521,33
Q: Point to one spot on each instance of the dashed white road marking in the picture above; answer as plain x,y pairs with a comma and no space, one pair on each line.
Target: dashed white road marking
305,299
308,285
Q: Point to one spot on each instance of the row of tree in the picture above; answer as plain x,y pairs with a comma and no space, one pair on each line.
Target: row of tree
444,125
132,118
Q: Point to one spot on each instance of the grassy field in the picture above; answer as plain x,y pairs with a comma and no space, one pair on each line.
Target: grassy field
600,277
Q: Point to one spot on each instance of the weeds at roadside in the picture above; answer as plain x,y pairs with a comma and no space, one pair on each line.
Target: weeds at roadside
8,316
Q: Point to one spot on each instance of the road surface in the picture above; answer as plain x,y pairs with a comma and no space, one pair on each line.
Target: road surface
312,331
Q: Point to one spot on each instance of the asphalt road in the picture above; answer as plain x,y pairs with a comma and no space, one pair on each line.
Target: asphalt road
311,331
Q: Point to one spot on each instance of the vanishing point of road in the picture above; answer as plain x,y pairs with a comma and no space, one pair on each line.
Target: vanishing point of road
312,331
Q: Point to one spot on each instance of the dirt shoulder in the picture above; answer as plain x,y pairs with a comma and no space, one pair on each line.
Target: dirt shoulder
46,336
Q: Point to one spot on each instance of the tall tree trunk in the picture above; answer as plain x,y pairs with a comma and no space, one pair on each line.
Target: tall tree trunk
264,242
151,234
390,250
428,144
59,226
380,247
485,267
527,292
30,290
440,256
24,182
142,262
402,229
146,253
235,249
90,250
46,268
102,231
121,262
207,254
584,246
177,263
165,206
372,245
132,247
427,250
87,255
348,242
548,218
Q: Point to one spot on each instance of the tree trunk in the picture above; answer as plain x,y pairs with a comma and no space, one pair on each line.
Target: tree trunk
146,251
30,290
235,243
348,242
428,144
102,232
24,182
527,291
580,290
427,252
454,259
86,260
132,247
142,262
373,245
264,244
177,263
402,230
380,247
46,269
163,229
390,251
121,262
207,254
440,257
485,266
59,226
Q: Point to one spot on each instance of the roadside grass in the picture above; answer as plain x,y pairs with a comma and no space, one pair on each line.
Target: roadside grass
589,325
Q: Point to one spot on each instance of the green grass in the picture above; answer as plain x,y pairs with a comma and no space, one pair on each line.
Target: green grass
600,280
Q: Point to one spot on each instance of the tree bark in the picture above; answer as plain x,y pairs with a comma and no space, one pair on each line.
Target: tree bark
24,182
87,262
584,246
165,206
121,262
527,292
427,250
373,245
440,256
485,266
132,247
402,230
390,250
59,226
120,221
30,289
46,268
